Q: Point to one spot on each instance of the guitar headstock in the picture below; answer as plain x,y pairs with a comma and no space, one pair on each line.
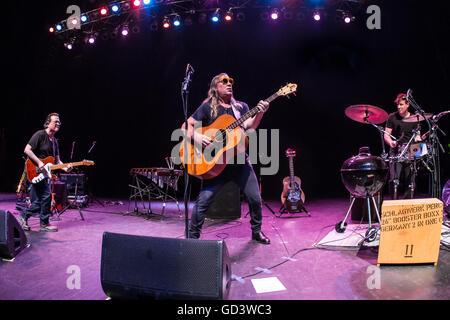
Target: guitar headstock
290,153
287,89
88,162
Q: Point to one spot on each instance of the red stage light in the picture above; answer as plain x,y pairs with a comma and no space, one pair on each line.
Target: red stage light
51,29
228,17
136,3
103,11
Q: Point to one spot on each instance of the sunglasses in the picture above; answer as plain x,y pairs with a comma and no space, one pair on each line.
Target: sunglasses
226,80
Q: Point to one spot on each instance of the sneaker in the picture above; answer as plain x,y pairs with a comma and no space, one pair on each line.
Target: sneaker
48,228
23,223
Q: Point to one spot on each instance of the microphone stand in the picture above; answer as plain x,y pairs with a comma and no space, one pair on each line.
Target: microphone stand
90,193
184,97
436,191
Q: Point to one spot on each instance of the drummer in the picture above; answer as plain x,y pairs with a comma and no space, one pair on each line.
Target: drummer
400,171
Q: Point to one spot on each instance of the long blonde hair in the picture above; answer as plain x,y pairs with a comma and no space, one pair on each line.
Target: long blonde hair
213,96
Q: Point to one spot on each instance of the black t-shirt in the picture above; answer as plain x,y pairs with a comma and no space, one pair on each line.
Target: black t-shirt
401,130
203,113
42,146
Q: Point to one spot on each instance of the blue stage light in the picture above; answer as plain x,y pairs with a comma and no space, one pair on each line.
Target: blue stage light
83,18
177,22
146,2
58,27
115,8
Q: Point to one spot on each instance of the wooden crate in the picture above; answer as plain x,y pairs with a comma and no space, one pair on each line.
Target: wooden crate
410,231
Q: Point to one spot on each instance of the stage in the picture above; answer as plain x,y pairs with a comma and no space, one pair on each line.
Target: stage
317,268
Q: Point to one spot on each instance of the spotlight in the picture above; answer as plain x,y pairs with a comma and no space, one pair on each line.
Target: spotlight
317,16
125,31
215,17
136,3
240,16
166,23
115,8
91,39
176,21
83,18
58,27
68,46
146,2
74,21
229,16
51,29
274,14
188,21
103,11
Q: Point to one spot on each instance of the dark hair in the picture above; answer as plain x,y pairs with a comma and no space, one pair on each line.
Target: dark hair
49,119
401,96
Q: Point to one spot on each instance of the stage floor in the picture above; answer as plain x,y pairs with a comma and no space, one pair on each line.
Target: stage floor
332,272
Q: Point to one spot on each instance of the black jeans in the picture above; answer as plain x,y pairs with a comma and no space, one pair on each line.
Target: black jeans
244,176
400,174
41,201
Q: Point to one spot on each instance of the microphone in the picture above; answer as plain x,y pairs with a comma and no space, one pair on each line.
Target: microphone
92,147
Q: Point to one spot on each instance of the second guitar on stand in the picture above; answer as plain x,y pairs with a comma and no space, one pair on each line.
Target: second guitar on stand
292,197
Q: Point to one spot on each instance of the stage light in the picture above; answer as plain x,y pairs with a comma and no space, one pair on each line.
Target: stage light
68,45
103,11
274,14
115,8
215,17
317,16
91,39
58,27
176,21
166,23
137,3
51,29
240,16
125,31
229,15
347,20
83,18
146,2
74,21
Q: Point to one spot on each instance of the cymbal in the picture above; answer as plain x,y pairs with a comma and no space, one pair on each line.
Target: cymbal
361,112
417,117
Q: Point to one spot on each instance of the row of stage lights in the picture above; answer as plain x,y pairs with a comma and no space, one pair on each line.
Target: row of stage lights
173,19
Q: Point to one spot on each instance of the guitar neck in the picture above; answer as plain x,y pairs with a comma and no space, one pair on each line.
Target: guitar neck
291,171
251,113
65,165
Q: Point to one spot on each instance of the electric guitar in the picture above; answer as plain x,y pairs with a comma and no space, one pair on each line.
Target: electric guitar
228,140
292,196
35,175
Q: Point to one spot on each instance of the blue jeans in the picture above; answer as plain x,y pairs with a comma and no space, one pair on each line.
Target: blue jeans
244,176
41,201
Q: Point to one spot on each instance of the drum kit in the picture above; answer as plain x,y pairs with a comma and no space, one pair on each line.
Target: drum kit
365,175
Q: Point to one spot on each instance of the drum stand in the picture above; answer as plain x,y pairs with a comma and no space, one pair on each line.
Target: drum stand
371,233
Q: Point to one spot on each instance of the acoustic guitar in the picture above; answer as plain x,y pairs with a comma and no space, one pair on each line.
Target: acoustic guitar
292,196
228,140
34,175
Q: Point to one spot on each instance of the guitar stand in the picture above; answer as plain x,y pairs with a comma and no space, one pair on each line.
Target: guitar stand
283,210
266,205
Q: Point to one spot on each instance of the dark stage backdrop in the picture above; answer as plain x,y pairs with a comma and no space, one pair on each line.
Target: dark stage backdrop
125,94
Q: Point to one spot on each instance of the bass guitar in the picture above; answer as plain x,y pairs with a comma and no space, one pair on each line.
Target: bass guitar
228,140
35,175
292,196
